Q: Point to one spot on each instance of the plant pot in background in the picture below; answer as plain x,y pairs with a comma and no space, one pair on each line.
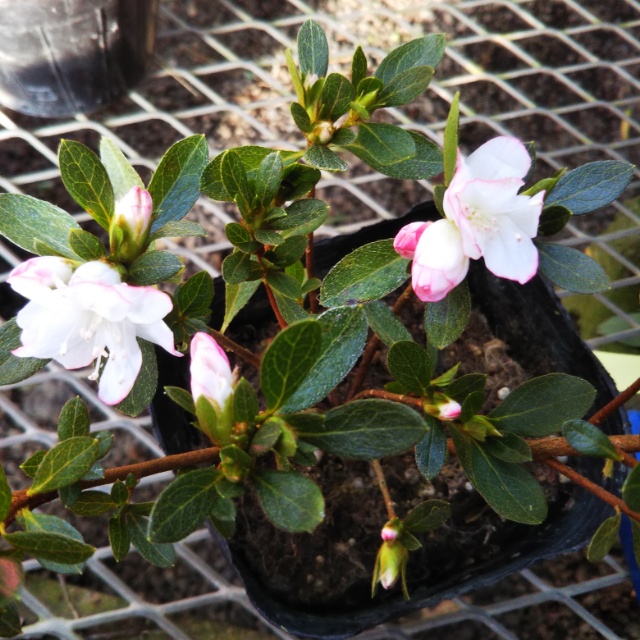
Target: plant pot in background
531,321
62,57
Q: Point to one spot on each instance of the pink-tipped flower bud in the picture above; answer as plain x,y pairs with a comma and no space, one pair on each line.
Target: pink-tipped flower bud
407,238
391,530
390,564
131,224
450,410
211,374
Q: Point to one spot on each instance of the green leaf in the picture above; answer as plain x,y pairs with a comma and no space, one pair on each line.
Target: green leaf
178,229
382,145
335,98
289,252
122,175
193,298
604,538
635,538
298,181
411,365
86,245
344,333
245,403
588,440
284,284
154,267
553,219
459,389
74,419
446,378
119,537
13,368
427,516
160,555
175,185
510,448
288,360
358,67
290,309
425,51
146,383
269,237
291,501
5,495
31,464
10,625
591,186
301,117
266,437
540,407
508,489
631,489
237,268
27,221
183,506
236,297
343,137
320,157
86,179
405,87
368,273
313,50
182,398
451,139
119,492
51,547
431,451
366,430
303,217
93,503
384,323
269,178
65,464
472,405
445,321
571,269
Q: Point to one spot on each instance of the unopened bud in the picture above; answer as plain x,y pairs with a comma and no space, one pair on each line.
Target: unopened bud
390,564
391,530
322,132
131,224
443,408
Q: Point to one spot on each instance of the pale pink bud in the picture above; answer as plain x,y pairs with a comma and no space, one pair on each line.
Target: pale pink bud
388,533
406,241
449,410
211,374
135,209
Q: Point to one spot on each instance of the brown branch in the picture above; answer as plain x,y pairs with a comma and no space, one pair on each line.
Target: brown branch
592,487
274,305
382,483
598,417
387,395
230,345
21,500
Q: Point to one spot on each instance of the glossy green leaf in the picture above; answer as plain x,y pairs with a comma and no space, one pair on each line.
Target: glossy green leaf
237,268
194,297
384,323
269,237
12,368
508,489
571,269
31,464
589,440
382,145
540,406
86,179
445,321
65,464
344,333
301,117
284,284
93,503
182,398
343,137
290,309
358,67
74,419
51,547
631,489
86,245
154,267
510,448
303,217
592,186
175,184
288,253
236,298
405,87
26,221
266,437
245,403
161,555
427,516
313,50
451,139
553,219
183,506
5,495
459,389
368,273
119,537
604,539
335,98
425,51
366,430
410,365
288,360
431,451
268,178
320,157
178,229
291,501
146,383
122,175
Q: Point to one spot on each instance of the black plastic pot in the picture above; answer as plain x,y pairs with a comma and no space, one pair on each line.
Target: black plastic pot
62,57
510,308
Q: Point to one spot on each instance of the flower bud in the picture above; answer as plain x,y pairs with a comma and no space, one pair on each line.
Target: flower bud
322,132
443,408
407,238
211,374
391,530
131,224
390,564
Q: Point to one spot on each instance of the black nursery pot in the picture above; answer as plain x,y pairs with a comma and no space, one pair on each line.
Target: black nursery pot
62,57
512,310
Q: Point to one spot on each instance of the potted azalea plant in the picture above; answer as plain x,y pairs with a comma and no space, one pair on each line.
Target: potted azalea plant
420,370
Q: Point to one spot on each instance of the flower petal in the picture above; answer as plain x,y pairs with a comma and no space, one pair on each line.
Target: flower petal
158,333
501,157
122,366
407,238
146,304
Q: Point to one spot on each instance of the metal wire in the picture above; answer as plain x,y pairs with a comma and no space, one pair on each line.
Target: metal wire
525,67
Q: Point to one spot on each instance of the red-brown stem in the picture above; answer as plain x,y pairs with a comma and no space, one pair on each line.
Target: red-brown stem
387,395
373,346
615,404
382,483
230,345
592,487
274,305
20,499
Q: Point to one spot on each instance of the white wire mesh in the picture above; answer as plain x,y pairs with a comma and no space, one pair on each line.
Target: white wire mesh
559,71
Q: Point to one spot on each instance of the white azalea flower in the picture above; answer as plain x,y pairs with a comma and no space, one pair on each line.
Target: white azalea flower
93,316
494,221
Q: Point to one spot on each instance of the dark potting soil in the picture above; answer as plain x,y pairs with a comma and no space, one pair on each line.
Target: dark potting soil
331,569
